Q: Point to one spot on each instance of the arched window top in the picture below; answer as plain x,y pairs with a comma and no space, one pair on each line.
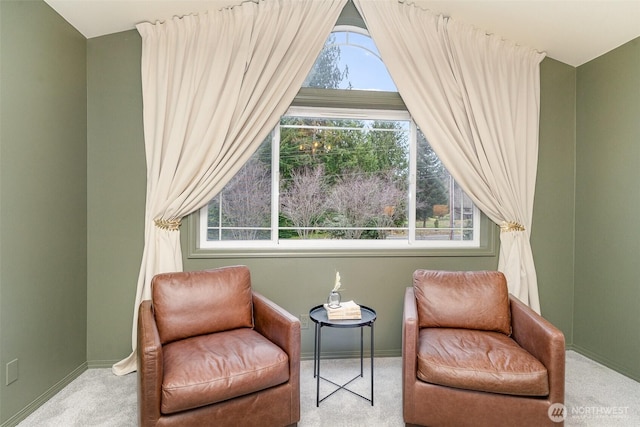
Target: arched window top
350,60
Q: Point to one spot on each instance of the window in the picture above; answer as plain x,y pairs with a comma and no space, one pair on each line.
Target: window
350,60
343,178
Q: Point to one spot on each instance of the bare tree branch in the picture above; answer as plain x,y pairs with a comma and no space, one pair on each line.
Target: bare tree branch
364,201
303,199
246,200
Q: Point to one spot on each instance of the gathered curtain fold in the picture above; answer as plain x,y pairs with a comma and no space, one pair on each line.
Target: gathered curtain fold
213,86
476,98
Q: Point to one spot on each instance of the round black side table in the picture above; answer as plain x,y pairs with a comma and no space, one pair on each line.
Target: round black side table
319,316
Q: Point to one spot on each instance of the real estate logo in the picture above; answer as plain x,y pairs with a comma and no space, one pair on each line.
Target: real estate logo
557,412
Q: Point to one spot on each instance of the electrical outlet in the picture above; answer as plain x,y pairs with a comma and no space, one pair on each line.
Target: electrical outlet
304,321
12,371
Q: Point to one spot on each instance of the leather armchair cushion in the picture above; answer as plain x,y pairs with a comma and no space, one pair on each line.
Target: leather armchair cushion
479,360
463,299
211,368
202,302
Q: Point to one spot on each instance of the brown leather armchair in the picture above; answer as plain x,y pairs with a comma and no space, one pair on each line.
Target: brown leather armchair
213,352
473,355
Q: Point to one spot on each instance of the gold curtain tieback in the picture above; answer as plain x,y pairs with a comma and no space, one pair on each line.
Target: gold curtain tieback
168,224
511,226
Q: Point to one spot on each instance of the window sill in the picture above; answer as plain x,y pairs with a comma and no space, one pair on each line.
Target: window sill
488,248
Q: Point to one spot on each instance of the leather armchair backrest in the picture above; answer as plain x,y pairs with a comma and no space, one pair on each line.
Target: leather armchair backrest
462,299
188,304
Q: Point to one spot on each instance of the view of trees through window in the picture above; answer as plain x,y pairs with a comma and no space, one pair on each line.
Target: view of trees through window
327,175
343,178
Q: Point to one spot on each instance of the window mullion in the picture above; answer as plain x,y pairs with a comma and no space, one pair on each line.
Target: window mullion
275,183
413,156
220,216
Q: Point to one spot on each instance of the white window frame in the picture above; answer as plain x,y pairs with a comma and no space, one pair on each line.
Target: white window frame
338,244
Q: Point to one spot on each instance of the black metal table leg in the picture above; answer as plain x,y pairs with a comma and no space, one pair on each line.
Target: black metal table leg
319,316
371,326
318,372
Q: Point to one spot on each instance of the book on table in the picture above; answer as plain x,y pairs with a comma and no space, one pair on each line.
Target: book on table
348,310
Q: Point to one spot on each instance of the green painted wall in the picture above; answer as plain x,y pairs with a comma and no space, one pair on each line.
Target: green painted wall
43,193
552,234
116,157
607,295
116,189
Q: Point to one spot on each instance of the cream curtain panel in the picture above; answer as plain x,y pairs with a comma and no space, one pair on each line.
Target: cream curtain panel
214,85
476,99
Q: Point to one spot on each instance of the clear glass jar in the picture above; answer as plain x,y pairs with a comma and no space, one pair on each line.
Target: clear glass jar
334,299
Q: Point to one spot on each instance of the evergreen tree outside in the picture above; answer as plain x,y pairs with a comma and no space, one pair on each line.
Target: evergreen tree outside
431,179
326,73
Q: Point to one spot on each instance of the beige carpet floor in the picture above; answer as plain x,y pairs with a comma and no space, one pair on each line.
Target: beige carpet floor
595,397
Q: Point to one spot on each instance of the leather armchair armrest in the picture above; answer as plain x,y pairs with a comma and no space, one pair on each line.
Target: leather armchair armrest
150,366
544,341
277,324
283,329
410,332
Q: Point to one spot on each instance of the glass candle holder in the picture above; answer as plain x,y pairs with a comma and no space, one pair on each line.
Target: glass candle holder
334,300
